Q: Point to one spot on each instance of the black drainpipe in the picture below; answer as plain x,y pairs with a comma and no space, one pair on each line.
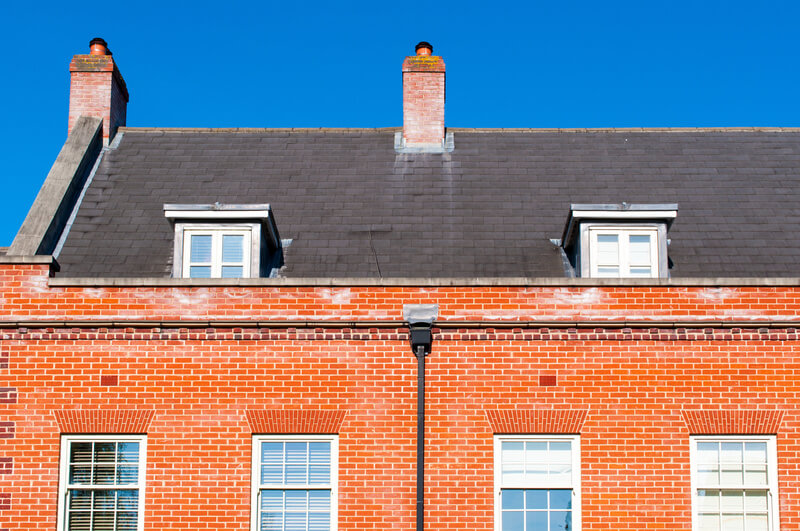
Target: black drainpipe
421,339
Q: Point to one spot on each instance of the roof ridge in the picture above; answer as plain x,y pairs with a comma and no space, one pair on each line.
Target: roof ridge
753,129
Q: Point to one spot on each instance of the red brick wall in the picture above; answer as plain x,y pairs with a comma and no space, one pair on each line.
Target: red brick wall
631,390
423,100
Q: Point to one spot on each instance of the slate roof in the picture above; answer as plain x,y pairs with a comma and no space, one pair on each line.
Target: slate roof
353,207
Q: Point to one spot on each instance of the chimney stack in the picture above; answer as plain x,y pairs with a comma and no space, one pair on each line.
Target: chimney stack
97,89
423,99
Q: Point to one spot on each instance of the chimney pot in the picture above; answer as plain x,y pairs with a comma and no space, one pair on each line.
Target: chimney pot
98,46
424,48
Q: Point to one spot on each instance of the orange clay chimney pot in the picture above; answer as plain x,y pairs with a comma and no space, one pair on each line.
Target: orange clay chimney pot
98,47
424,48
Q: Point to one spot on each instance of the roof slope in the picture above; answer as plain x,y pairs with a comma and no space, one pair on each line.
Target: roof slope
353,207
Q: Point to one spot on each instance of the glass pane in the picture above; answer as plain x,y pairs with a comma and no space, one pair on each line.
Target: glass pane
755,501
512,499
232,248
319,500
513,521
708,453
103,521
732,501
105,452
731,452
512,472
127,475
560,521
201,248
319,455
296,463
271,462
104,500
755,452
561,473
200,272
104,474
709,522
708,475
756,522
732,522
80,452
731,476
536,521
640,271
296,500
513,452
708,501
536,472
126,521
271,500
80,500
608,271
535,499
80,474
79,521
128,452
560,452
127,500
756,475
232,271
607,249
536,452
640,249
561,499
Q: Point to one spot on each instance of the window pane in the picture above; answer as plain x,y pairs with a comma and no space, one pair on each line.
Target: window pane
232,271
756,522
103,521
732,522
79,521
201,248
732,501
513,458
271,462
200,272
104,474
127,500
560,521
755,452
640,271
708,453
80,500
80,452
731,452
639,249
536,499
608,271
512,499
80,474
708,501
561,499
709,522
607,249
536,521
513,521
127,475
105,500
319,510
128,452
126,521
296,462
755,501
320,460
756,475
232,248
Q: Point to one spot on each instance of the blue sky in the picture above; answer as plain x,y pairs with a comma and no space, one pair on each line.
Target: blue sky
309,64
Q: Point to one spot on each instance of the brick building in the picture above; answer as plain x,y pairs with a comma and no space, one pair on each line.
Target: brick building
213,329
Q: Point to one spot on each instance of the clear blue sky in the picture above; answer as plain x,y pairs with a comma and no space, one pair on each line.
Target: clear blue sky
307,64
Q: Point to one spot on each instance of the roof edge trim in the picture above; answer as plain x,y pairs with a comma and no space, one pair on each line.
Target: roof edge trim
425,282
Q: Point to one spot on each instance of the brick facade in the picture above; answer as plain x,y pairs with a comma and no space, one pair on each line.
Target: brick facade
423,100
200,369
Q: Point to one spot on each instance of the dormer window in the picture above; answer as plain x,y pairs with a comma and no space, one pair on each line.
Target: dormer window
618,241
224,241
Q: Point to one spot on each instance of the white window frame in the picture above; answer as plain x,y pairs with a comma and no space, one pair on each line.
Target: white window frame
64,488
574,484
217,232
773,504
256,485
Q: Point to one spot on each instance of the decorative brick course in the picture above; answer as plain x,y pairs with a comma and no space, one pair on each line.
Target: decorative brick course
507,421
7,429
295,421
711,422
8,395
103,421
6,465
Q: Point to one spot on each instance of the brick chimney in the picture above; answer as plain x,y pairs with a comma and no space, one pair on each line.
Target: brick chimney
423,99
97,89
